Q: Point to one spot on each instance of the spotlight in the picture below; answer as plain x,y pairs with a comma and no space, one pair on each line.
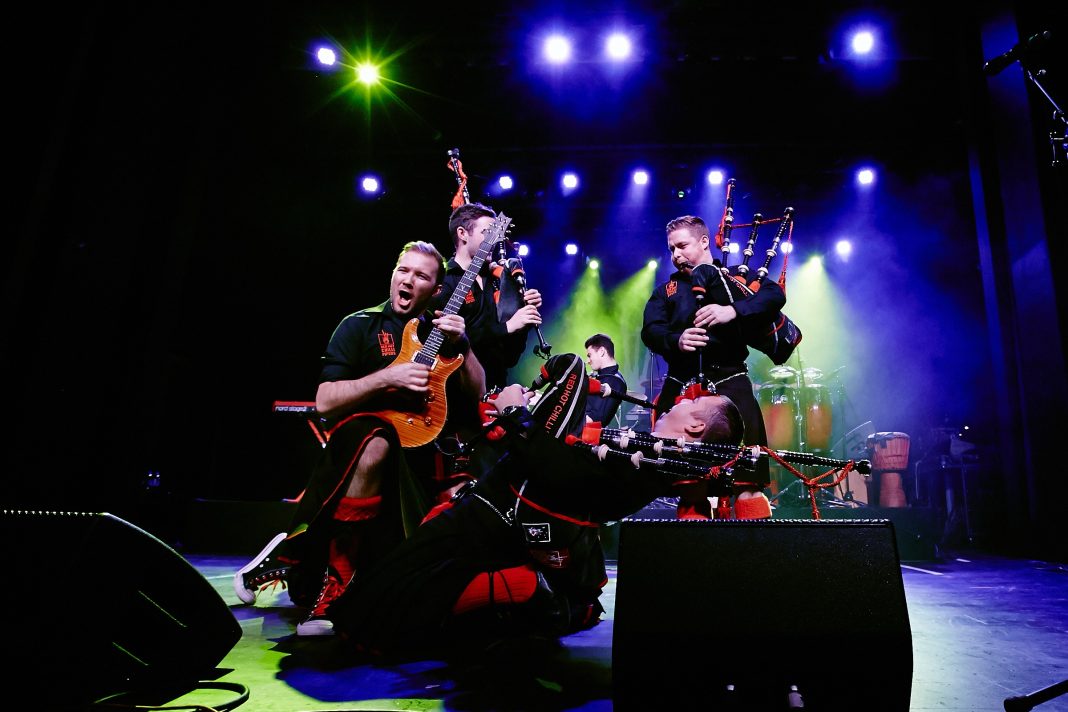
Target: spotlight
571,248
369,184
595,265
786,248
680,193
844,248
523,250
367,74
640,177
326,56
569,181
651,264
505,182
865,176
715,177
863,42
733,248
617,46
557,49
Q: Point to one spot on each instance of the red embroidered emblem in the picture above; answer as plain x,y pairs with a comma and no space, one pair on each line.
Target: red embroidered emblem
385,344
470,298
671,288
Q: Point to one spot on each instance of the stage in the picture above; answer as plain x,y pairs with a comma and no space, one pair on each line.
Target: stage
983,628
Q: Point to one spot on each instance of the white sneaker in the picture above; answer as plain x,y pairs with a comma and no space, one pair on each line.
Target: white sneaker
259,572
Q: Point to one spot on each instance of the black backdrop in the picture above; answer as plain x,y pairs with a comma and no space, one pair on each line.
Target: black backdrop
185,234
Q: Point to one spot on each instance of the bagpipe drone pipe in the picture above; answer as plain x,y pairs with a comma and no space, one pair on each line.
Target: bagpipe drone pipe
689,460
778,338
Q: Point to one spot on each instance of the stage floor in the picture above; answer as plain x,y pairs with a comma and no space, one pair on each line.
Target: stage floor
983,628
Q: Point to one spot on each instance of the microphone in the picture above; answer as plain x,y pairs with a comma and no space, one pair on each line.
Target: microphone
997,64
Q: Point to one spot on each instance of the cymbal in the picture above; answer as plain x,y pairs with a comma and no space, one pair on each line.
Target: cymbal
812,374
782,373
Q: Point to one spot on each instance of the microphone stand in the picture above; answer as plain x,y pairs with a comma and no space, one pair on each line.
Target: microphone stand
1058,144
1025,53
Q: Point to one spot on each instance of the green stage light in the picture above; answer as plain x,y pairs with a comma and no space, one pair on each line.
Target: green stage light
590,310
367,74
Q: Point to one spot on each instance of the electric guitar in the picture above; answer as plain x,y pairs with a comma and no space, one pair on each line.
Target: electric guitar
424,422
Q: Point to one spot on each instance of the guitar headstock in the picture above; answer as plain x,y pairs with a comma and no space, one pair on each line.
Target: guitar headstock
495,234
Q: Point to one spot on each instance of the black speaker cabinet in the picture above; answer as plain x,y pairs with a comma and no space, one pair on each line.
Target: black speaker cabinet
100,606
710,614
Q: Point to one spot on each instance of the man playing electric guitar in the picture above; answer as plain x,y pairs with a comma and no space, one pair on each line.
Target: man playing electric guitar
360,492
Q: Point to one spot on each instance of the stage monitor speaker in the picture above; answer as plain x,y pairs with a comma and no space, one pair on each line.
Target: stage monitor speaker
99,607
710,614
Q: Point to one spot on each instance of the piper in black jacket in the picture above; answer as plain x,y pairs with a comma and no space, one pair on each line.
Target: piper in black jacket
497,323
708,339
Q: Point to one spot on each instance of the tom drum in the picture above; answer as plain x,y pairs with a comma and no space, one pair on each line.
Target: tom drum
816,400
778,405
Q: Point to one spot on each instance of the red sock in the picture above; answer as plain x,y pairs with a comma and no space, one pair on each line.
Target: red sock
752,508
349,516
357,509
515,585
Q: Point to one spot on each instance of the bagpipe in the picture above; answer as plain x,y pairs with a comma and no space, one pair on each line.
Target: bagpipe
777,339
559,411
505,258
721,465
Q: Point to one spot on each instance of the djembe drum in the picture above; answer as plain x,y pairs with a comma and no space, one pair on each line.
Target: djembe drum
889,459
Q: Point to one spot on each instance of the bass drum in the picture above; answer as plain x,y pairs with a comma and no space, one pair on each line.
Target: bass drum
778,405
819,420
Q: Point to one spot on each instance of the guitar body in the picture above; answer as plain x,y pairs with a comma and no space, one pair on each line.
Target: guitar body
421,425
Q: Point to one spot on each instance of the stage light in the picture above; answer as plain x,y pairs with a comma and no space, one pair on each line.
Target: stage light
326,56
617,46
369,184
733,248
844,248
715,177
640,177
571,248
557,49
863,42
865,176
523,250
367,74
569,181
786,248
595,264
651,264
505,182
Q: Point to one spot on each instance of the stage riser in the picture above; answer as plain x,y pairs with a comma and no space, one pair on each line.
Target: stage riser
701,605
